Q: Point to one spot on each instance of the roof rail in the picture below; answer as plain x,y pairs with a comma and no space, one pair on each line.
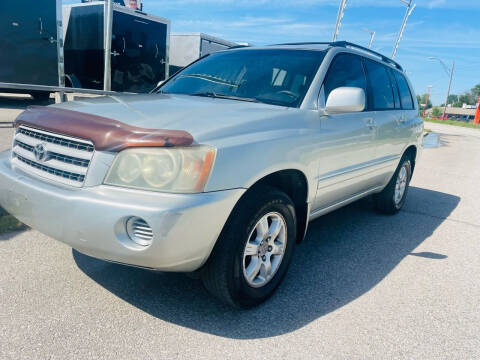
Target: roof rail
383,57
347,44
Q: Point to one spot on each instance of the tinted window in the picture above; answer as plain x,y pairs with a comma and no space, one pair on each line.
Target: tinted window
346,70
398,105
278,77
405,95
381,94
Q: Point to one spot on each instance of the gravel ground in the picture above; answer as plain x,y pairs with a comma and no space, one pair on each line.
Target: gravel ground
362,285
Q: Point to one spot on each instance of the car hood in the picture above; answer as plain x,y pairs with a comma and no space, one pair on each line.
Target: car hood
205,118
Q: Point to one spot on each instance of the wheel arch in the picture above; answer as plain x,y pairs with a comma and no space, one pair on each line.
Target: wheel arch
294,183
411,152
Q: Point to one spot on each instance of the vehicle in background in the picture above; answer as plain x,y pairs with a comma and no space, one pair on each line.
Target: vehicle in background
29,53
186,48
139,53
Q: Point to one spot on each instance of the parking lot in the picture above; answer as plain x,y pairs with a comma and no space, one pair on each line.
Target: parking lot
362,285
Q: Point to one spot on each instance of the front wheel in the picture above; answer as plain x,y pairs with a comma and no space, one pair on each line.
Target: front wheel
392,198
254,250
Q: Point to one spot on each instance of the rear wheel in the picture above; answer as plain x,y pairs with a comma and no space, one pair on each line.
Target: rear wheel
392,198
254,250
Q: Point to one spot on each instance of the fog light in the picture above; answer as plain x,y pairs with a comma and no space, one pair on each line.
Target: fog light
139,231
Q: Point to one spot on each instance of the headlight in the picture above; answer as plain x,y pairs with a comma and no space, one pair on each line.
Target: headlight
176,170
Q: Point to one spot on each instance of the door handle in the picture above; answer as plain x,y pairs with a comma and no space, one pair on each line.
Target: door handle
370,123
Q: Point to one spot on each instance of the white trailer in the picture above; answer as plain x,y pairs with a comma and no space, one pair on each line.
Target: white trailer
186,48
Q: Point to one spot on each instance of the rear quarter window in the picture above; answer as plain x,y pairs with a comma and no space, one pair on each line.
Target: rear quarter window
405,94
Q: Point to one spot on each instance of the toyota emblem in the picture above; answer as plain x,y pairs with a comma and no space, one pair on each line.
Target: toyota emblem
40,152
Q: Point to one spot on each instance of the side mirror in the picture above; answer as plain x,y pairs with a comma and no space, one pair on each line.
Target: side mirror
345,100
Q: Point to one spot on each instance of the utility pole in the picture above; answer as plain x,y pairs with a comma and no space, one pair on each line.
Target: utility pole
448,91
450,74
372,35
408,12
107,38
426,99
341,12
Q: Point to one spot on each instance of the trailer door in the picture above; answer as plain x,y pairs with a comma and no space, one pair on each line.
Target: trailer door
28,47
138,52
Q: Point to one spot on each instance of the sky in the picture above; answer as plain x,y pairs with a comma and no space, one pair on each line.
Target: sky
448,30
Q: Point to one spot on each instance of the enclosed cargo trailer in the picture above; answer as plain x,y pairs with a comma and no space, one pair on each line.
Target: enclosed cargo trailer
30,45
139,47
186,48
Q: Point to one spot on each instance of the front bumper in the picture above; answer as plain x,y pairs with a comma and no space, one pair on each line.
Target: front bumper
91,219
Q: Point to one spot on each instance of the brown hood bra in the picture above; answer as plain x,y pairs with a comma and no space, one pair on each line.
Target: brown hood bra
106,134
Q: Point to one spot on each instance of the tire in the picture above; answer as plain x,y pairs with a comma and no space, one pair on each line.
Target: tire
40,95
389,201
225,274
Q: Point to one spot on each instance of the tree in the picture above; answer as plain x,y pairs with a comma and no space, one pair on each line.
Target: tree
452,99
421,100
436,111
476,91
467,98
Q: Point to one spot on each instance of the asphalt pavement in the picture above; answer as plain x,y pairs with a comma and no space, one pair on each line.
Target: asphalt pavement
362,285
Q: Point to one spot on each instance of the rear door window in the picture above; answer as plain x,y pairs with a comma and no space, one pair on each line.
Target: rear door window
405,94
381,89
346,70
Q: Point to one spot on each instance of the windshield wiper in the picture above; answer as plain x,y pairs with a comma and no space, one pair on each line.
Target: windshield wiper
223,96
209,78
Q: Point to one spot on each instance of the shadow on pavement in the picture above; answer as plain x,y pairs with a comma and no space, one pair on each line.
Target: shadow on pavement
430,255
11,234
345,254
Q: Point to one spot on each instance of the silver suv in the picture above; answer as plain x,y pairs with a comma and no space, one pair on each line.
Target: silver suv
220,169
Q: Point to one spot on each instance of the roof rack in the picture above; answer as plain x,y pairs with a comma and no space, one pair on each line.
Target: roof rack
347,44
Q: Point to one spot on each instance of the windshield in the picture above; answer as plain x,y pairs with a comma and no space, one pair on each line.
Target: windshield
276,76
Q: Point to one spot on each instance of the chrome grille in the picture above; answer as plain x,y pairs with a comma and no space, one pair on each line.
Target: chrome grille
55,139
56,157
48,169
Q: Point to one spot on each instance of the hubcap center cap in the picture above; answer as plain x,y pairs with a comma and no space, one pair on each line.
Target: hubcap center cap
262,248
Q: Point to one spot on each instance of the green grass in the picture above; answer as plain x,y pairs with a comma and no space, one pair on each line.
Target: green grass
455,123
9,223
